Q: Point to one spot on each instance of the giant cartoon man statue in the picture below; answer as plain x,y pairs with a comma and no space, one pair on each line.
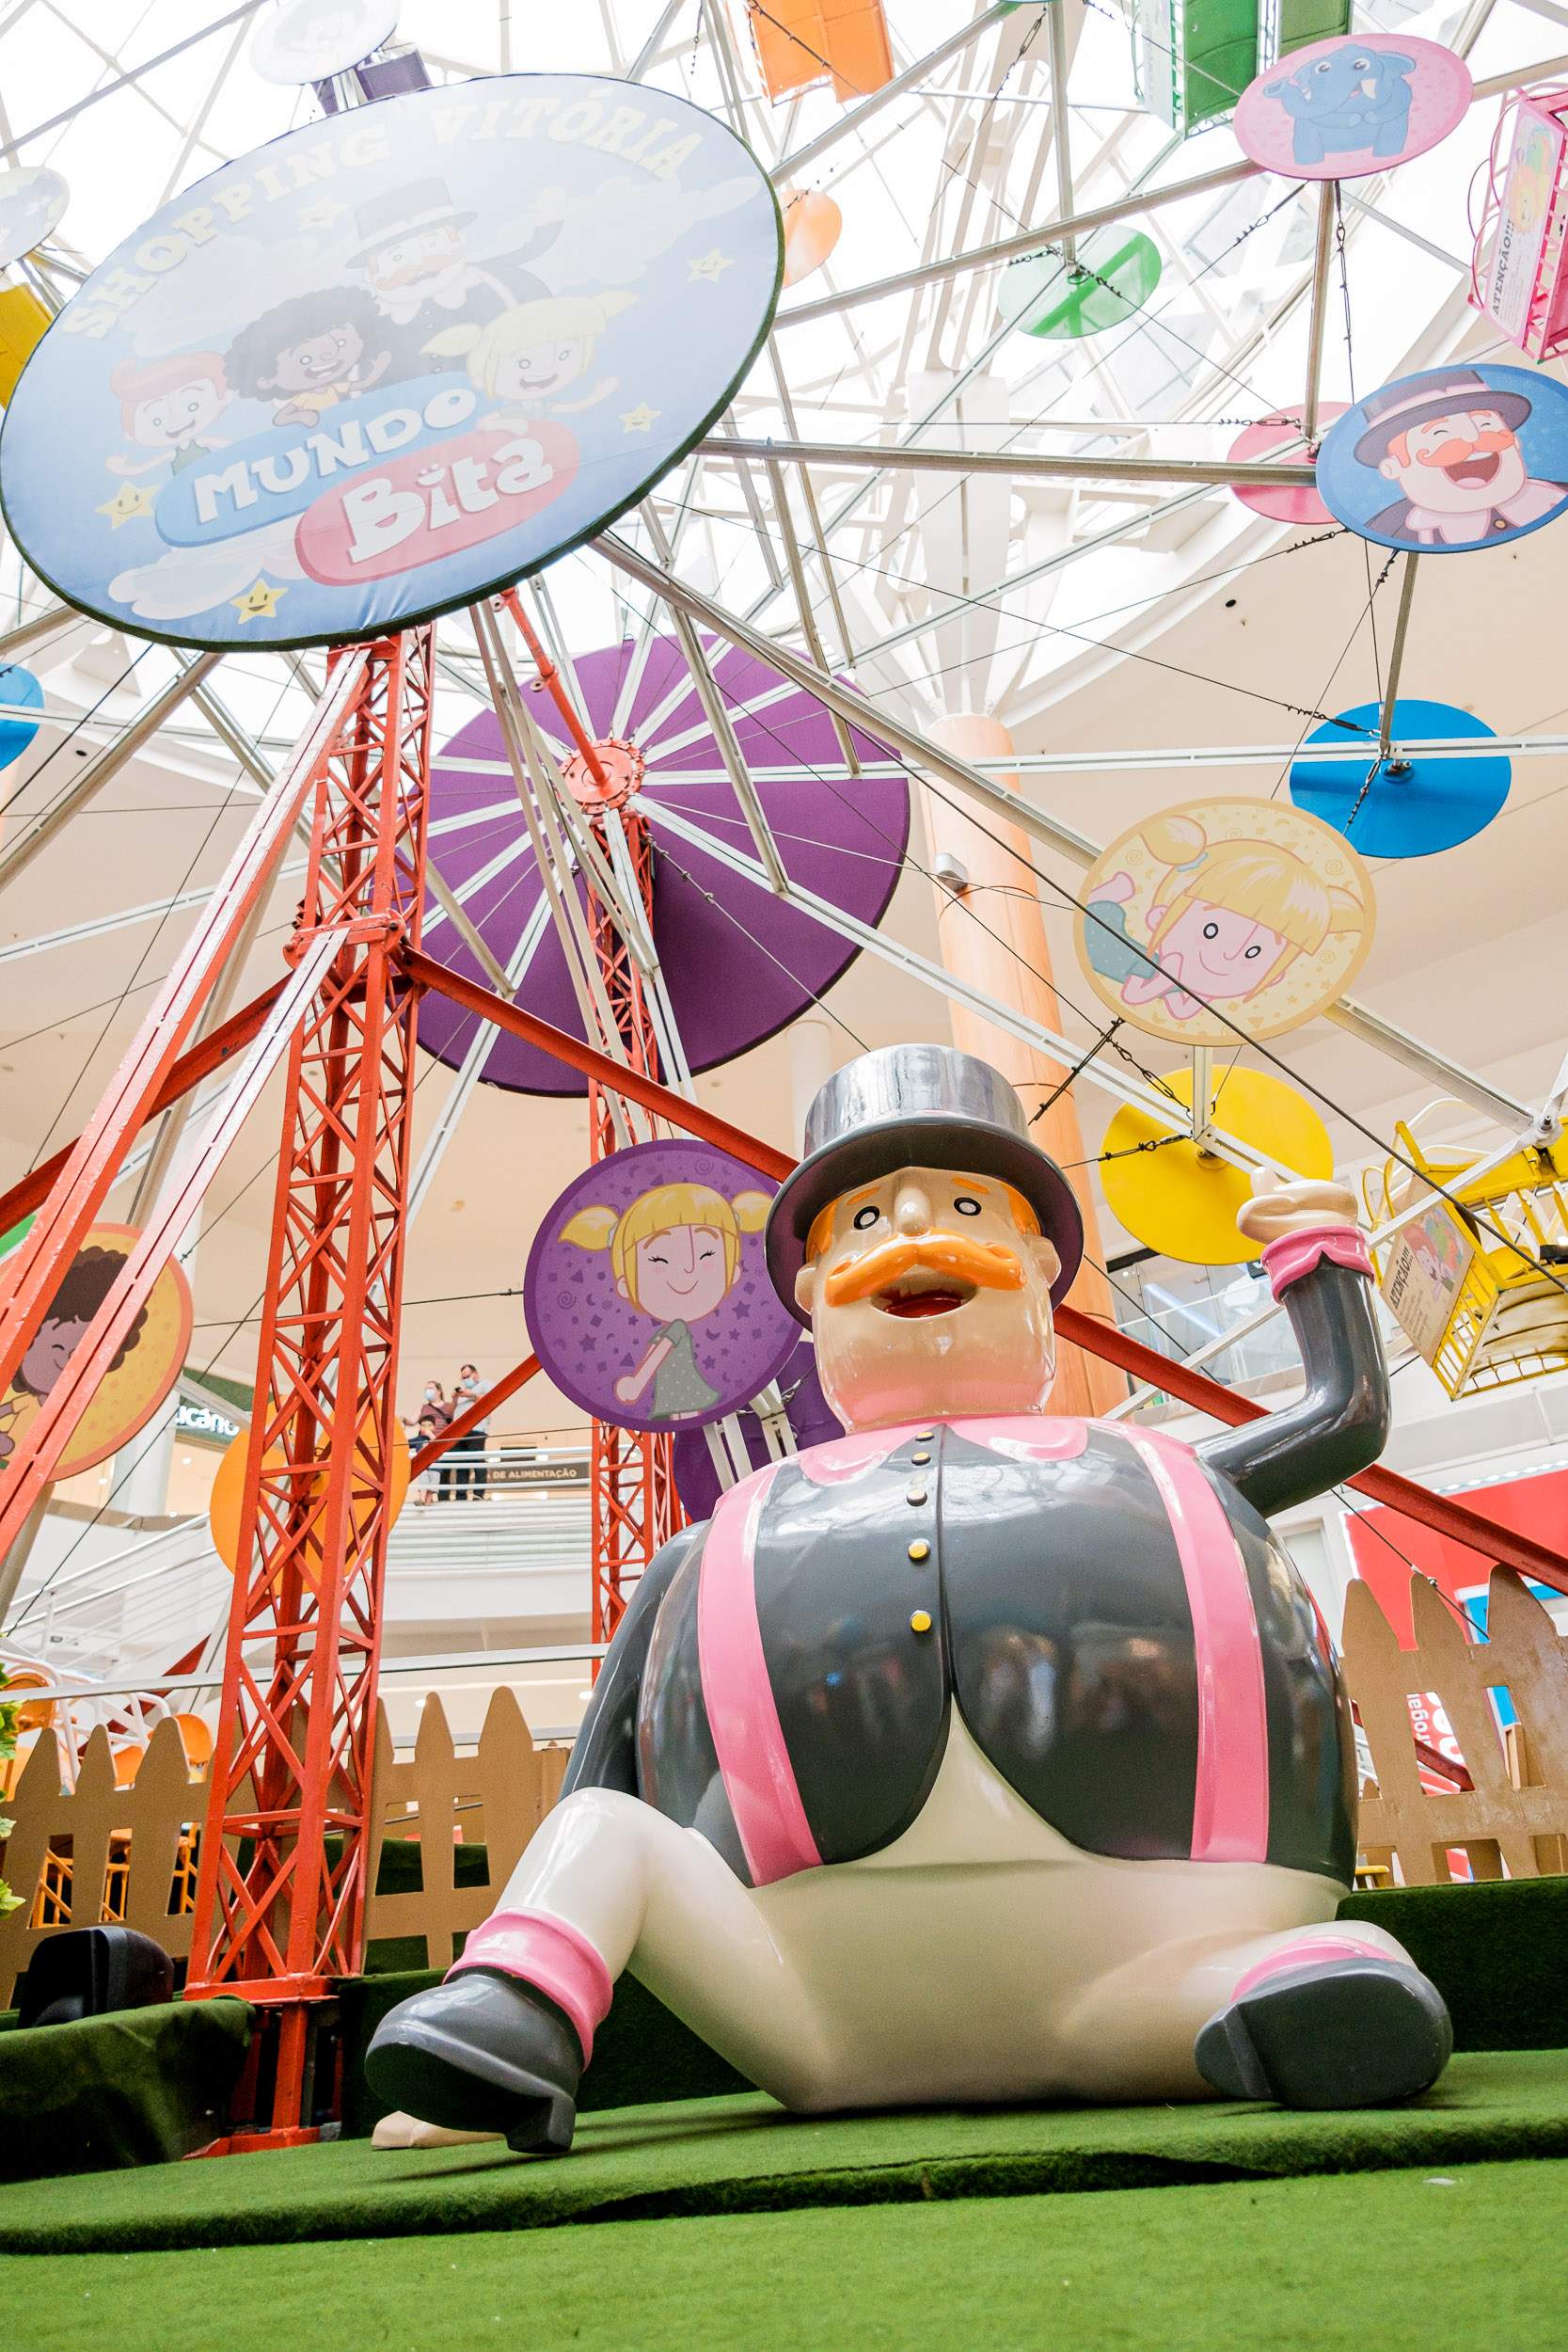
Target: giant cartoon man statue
976,1755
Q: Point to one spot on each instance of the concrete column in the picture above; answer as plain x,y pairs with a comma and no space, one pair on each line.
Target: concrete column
1010,959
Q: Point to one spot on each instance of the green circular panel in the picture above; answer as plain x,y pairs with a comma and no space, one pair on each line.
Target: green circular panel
1109,280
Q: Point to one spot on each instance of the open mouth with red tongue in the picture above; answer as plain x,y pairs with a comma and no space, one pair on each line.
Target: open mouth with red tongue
1473,470
923,1292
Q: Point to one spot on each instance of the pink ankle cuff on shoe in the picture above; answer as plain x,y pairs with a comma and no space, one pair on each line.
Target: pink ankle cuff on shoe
1322,1951
1293,1255
556,1958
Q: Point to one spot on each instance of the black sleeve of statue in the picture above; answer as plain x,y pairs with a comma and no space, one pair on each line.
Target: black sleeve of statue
1339,1425
604,1754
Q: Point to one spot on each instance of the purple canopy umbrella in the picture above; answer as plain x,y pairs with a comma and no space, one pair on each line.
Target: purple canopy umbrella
738,963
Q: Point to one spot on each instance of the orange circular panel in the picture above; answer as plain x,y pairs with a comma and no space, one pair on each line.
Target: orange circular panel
812,226
142,1374
1223,920
223,1504
1184,1203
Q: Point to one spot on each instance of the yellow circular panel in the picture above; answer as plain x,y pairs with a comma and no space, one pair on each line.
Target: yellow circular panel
1184,1203
143,1373
1225,919
223,1505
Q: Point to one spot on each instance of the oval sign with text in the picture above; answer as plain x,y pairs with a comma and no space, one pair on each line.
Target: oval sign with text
393,361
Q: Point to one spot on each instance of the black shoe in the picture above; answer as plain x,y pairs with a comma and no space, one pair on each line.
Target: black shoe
1356,2033
481,2052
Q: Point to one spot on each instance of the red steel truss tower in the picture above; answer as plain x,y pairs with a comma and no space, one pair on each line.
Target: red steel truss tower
634,1506
280,1901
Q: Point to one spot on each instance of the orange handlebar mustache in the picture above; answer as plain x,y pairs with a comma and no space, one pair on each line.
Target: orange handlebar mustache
989,1264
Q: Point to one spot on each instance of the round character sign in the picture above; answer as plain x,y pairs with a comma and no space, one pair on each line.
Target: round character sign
32,206
646,1295
1357,104
142,1373
394,361
307,40
1453,458
1223,919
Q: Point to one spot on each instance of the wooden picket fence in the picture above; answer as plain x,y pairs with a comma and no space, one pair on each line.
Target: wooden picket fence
99,1852
1512,1821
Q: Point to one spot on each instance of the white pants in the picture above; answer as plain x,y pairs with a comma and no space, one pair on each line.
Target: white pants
980,1958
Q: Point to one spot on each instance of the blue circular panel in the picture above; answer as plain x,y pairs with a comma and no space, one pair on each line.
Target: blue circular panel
395,360
1454,460
1412,806
17,686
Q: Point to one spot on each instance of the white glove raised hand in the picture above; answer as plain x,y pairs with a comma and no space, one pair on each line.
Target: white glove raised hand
1278,1208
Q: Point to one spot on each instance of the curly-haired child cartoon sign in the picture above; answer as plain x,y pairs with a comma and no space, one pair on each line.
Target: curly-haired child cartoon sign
396,359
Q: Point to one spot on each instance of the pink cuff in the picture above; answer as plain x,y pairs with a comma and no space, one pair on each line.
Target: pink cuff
556,1958
1319,1951
1293,1255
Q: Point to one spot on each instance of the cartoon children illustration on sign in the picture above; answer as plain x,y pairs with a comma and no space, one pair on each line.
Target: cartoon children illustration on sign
309,353
1449,441
92,1276
1228,919
531,352
1355,101
675,1255
165,406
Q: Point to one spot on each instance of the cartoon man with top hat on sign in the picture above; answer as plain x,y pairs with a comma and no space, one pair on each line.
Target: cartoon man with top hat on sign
1450,441
976,1755
415,263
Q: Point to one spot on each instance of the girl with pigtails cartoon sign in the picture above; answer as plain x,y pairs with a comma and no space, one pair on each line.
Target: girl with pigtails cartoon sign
646,1294
1225,919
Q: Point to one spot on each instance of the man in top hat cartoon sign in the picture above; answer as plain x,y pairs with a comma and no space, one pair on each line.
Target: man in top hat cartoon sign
415,264
976,1755
1450,441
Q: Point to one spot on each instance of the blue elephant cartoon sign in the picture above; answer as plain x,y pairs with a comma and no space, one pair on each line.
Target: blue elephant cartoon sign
394,361
1354,104
1453,458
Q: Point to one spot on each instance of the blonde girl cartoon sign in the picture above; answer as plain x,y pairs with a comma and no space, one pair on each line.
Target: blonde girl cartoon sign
646,1295
1224,917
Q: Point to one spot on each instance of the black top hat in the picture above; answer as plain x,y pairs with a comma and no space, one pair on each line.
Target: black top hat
422,204
917,1106
1420,398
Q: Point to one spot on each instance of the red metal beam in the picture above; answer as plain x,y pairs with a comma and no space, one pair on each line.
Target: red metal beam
481,1410
551,678
219,1046
35,1269
1441,1512
634,1084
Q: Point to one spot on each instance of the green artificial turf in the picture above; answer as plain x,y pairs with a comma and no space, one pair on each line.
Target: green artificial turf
1464,2258
1497,1951
747,2154
134,2089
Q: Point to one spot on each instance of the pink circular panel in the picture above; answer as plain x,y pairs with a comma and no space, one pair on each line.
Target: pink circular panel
1359,103
1259,441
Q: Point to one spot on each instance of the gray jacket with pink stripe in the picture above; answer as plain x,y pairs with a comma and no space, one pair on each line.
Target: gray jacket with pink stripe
1124,1638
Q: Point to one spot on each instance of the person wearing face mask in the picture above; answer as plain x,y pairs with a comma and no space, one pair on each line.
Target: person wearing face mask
435,1411
471,1479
